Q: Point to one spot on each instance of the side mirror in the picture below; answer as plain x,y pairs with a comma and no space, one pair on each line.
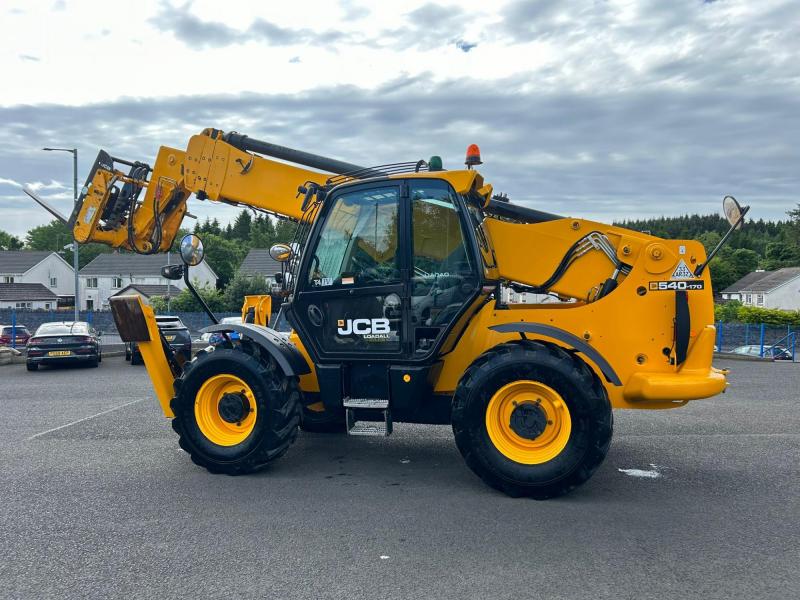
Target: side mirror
735,215
733,211
172,271
192,252
281,252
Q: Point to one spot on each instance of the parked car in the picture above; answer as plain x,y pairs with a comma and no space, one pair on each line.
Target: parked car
64,342
774,352
20,333
217,338
176,334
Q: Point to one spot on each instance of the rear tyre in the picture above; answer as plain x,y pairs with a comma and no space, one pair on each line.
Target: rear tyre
322,421
32,366
127,352
235,411
136,358
531,419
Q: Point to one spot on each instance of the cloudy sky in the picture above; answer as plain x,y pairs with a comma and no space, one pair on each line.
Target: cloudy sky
603,109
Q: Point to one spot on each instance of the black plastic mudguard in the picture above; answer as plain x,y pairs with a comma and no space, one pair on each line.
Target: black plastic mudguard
289,358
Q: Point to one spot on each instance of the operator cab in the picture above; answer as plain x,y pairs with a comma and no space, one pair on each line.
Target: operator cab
389,268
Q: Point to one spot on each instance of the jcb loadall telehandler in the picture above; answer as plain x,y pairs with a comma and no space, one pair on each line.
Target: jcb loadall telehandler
393,295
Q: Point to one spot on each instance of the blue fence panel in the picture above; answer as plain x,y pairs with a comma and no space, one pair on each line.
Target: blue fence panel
763,337
729,335
101,320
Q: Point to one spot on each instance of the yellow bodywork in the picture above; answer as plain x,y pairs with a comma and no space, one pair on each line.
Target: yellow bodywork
261,306
632,328
136,322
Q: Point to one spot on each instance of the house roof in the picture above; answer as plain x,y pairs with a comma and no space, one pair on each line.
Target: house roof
258,261
763,281
149,290
11,292
20,261
130,264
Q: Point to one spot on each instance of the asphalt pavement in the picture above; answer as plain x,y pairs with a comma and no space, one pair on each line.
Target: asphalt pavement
97,501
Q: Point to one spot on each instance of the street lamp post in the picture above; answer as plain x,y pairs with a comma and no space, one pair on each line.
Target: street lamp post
74,152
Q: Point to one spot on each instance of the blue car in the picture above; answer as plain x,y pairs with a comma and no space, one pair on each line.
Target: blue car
217,338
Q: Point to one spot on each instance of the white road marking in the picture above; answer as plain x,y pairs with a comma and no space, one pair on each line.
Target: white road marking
641,473
105,412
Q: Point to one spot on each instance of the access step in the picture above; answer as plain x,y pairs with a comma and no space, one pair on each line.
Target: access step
362,407
366,403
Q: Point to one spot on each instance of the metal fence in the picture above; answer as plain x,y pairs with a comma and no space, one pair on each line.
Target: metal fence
763,340
101,320
730,336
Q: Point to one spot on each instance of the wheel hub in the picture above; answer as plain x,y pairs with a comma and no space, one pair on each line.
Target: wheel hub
528,420
233,408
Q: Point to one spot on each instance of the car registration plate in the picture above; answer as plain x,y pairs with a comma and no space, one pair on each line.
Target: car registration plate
169,338
59,353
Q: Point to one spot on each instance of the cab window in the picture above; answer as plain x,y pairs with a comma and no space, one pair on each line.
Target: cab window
444,276
358,242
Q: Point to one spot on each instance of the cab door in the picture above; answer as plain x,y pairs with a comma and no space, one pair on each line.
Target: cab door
351,285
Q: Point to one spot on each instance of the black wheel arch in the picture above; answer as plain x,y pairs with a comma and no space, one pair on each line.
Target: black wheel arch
289,358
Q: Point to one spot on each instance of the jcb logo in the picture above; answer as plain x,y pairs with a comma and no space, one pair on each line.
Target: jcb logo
363,326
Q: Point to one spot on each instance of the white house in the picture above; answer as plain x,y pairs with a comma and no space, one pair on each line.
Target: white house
768,289
38,266
27,296
108,274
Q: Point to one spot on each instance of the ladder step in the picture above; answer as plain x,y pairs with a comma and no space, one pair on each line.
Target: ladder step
366,403
368,428
355,427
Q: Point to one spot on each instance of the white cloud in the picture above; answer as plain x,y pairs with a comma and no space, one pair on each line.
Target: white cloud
604,109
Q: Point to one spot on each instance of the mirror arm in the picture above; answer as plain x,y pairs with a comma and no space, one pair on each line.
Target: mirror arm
198,297
701,267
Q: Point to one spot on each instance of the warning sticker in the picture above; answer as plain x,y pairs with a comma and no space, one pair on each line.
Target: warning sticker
682,272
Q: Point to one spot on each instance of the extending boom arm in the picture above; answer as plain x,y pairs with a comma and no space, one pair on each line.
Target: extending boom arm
214,166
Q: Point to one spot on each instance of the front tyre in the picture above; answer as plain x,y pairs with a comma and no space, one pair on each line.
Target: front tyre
235,411
531,419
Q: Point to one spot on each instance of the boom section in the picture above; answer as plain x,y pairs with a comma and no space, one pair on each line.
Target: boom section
137,207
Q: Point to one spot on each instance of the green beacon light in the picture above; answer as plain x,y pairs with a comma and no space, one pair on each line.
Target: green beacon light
435,163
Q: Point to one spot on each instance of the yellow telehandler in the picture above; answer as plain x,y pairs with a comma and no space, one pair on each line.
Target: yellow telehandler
393,293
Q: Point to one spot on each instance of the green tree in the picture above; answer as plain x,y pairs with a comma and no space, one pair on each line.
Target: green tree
744,261
770,316
722,274
793,228
208,227
709,239
262,232
284,231
241,226
176,243
186,302
241,286
9,242
55,235
781,254
727,312
224,256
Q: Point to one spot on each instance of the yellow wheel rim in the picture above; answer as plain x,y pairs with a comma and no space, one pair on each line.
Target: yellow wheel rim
538,412
215,422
